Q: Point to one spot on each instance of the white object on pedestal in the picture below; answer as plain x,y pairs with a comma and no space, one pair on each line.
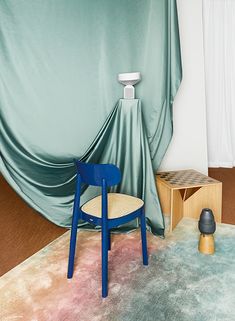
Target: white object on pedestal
129,79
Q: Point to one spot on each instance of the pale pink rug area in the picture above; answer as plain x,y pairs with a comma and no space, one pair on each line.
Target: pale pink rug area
38,289
180,284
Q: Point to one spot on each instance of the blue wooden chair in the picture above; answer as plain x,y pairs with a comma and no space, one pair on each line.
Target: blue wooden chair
108,210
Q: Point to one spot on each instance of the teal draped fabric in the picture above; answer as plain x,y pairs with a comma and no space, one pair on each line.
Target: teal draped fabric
59,61
123,141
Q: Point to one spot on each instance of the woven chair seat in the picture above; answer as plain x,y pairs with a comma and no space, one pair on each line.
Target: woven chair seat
118,205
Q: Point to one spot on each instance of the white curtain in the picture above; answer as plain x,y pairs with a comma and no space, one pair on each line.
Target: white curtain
219,44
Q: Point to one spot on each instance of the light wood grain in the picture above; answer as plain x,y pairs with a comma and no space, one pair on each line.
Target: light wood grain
206,196
177,208
188,198
164,193
206,244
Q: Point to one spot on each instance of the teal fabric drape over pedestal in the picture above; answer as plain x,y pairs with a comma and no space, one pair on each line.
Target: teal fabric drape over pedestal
123,141
59,62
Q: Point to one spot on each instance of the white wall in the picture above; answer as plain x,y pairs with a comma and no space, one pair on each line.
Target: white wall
188,148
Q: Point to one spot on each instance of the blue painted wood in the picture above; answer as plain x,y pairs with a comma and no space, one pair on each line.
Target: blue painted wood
109,241
124,219
104,239
143,238
93,174
73,237
103,175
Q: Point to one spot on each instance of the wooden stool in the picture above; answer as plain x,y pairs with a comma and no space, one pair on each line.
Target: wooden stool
185,193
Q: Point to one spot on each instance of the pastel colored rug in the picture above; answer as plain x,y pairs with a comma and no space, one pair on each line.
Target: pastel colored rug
180,284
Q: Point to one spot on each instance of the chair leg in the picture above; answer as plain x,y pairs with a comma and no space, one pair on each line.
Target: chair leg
109,240
144,238
105,246
73,239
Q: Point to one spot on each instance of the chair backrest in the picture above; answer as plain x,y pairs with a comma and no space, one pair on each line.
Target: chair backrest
93,174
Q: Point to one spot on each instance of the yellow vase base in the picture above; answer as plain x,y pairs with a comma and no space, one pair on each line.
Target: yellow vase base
206,244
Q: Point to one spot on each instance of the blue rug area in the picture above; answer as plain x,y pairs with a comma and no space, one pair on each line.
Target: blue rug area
180,284
183,285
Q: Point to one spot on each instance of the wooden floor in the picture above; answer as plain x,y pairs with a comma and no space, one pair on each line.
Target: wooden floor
227,177
23,231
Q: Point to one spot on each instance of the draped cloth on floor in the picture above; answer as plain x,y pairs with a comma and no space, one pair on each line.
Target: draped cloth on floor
59,62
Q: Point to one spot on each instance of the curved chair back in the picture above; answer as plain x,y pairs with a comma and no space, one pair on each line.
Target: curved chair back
93,174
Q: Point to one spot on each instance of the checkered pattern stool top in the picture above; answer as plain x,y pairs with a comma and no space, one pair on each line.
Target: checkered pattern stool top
185,178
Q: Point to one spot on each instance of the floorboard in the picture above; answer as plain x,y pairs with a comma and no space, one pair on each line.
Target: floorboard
227,177
23,231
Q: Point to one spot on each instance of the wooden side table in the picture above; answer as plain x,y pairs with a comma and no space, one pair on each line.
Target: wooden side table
185,193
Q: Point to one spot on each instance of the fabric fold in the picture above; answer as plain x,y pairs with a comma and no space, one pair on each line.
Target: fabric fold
59,62
123,141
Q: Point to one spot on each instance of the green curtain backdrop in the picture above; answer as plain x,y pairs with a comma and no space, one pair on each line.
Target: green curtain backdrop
59,61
